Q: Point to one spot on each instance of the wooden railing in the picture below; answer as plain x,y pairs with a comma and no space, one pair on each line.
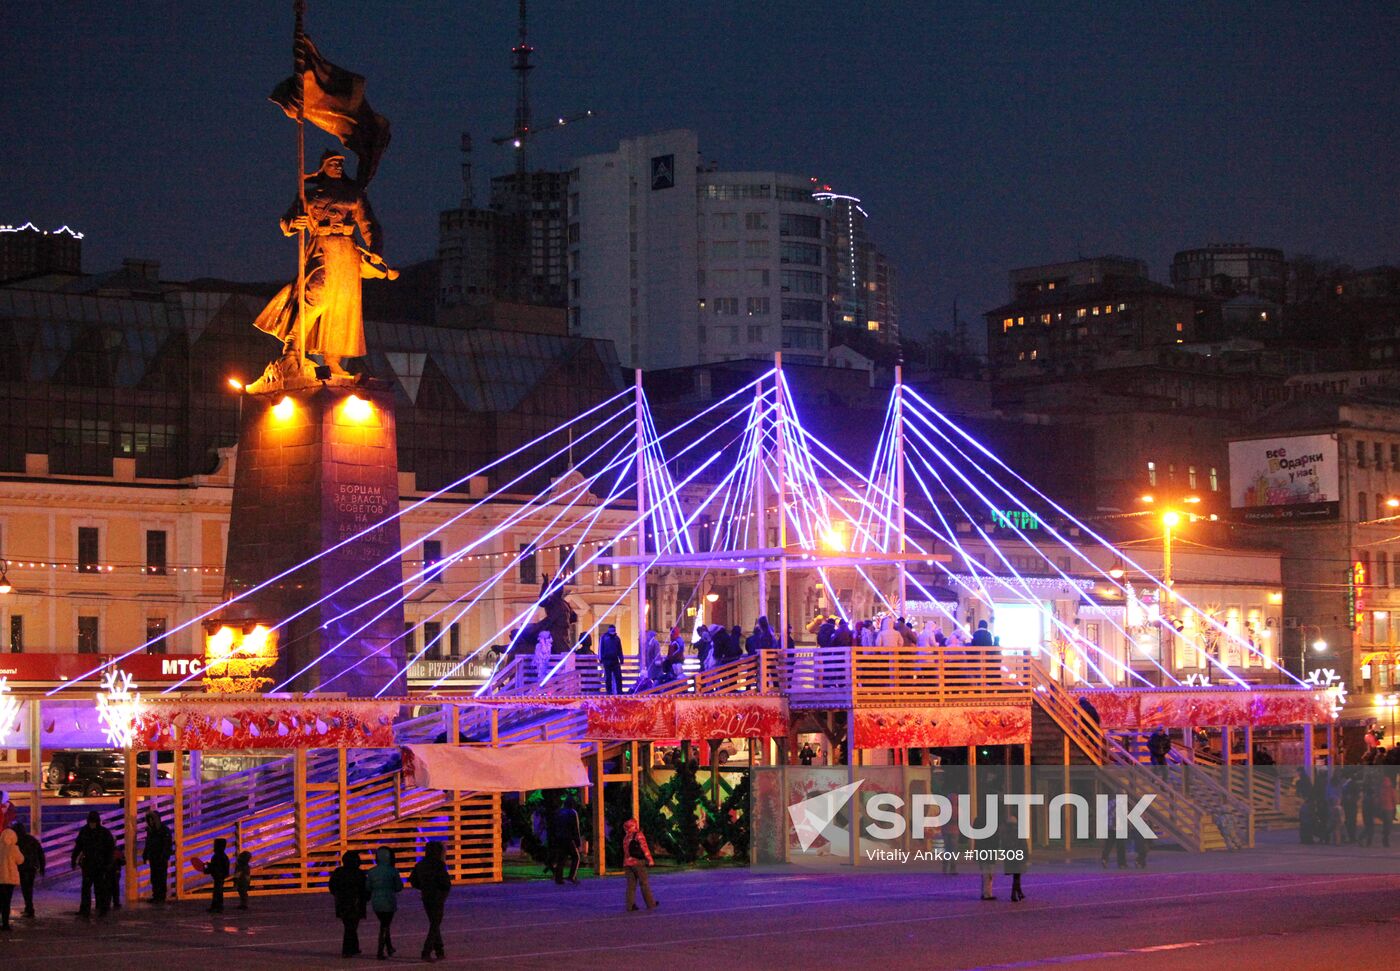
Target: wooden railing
863,676
1081,729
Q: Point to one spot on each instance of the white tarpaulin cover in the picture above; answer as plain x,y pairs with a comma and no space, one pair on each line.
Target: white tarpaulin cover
478,769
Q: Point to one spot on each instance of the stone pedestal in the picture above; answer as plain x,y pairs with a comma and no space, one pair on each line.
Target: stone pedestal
318,465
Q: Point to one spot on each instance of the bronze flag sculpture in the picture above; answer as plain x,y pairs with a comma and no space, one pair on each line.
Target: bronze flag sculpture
320,313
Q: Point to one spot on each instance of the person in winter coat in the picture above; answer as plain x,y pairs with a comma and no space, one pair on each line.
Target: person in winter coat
610,657
351,892
986,859
33,866
1159,746
431,879
157,852
762,638
10,861
218,870
385,885
565,841
888,637
843,636
636,857
92,852
826,633
243,877
1009,836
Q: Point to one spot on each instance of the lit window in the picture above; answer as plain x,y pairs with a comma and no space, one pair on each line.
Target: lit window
1180,327
1050,285
1007,322
1045,318
1020,321
1122,307
1034,355
1081,312
872,325
1108,308
1021,356
1152,473
1096,311
1214,479
1190,477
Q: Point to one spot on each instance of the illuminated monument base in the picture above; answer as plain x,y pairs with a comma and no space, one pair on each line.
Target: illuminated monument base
317,465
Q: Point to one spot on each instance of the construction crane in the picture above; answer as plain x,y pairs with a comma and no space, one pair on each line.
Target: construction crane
524,130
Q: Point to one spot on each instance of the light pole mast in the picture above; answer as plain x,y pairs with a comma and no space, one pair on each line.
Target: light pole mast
780,401
639,595
899,481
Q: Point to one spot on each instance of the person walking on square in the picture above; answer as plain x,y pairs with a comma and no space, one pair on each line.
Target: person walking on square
385,885
351,892
218,869
431,879
33,865
156,853
115,868
243,877
11,859
636,857
986,847
1017,854
92,852
566,839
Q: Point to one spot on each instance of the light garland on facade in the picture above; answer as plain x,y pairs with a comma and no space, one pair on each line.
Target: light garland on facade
31,228
118,707
1331,682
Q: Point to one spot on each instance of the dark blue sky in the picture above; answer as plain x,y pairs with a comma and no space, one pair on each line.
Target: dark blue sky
981,137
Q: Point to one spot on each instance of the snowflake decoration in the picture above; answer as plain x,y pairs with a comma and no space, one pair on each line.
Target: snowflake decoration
9,710
118,708
1198,680
1328,680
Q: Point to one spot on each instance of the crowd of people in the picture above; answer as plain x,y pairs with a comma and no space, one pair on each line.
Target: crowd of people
715,644
1349,804
355,890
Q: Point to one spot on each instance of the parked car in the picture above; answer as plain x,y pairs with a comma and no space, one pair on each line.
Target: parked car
94,773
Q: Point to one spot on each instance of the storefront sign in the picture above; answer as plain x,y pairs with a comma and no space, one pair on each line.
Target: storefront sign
53,669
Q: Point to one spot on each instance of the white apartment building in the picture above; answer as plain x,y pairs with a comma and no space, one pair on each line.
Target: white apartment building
679,265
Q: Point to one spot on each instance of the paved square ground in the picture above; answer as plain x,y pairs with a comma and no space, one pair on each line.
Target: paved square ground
1075,915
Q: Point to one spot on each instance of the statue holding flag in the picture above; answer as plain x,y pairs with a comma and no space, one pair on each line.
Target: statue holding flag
320,312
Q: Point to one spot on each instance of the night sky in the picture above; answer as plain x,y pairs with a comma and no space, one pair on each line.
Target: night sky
981,137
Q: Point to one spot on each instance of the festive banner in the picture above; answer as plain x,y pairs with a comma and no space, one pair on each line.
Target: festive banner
936,727
470,768
631,718
213,726
731,718
1125,708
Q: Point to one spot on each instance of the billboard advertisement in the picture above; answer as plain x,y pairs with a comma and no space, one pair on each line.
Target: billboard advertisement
1293,478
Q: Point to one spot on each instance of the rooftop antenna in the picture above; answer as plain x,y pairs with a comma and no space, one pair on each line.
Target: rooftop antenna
522,67
524,130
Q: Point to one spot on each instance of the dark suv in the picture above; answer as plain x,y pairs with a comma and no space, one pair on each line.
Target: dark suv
93,773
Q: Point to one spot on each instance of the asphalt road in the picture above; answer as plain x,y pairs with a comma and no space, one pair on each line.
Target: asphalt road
1075,916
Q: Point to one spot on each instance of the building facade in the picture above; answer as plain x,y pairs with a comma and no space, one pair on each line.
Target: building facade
680,264
1073,317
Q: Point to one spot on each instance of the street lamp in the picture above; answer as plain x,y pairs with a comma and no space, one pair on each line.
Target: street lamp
1319,646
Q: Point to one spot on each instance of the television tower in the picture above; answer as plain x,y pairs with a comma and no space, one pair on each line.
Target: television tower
524,130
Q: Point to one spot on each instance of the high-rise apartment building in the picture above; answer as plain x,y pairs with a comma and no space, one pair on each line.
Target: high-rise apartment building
680,264
862,275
